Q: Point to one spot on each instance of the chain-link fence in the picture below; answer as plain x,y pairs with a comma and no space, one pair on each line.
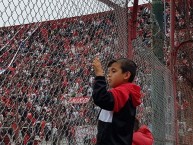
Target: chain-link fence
157,110
184,88
183,68
45,62
46,50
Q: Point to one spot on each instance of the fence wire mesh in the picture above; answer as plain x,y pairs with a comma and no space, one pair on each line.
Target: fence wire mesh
46,74
46,50
184,87
157,110
183,32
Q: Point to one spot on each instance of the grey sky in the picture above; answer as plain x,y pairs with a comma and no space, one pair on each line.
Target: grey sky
16,12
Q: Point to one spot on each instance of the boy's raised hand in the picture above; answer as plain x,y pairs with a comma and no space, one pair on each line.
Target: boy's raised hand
97,67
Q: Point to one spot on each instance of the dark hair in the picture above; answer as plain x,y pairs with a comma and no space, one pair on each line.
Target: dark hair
126,65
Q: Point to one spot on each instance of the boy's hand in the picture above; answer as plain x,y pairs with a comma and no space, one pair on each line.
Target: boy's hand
97,67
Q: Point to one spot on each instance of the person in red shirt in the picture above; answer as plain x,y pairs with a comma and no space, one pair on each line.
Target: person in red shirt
142,135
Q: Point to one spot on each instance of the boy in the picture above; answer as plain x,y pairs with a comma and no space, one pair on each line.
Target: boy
118,105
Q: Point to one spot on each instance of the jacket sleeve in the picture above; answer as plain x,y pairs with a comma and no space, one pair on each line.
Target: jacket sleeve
102,98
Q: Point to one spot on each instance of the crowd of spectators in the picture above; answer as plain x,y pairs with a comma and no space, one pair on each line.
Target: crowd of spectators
43,65
144,23
183,66
183,23
52,64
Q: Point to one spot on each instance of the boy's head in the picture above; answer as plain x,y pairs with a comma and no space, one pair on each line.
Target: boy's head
121,71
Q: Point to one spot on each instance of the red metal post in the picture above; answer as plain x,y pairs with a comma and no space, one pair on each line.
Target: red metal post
172,58
132,28
134,20
130,48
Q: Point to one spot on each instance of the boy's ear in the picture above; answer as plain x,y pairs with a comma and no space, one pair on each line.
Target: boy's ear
127,75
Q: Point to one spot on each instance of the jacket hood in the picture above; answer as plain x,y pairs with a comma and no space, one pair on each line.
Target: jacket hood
135,94
123,92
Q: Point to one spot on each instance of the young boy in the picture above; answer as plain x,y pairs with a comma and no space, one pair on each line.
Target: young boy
118,104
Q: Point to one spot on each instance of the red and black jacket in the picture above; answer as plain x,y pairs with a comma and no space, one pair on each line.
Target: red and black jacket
118,110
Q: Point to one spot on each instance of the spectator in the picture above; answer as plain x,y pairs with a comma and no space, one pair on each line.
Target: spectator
142,135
